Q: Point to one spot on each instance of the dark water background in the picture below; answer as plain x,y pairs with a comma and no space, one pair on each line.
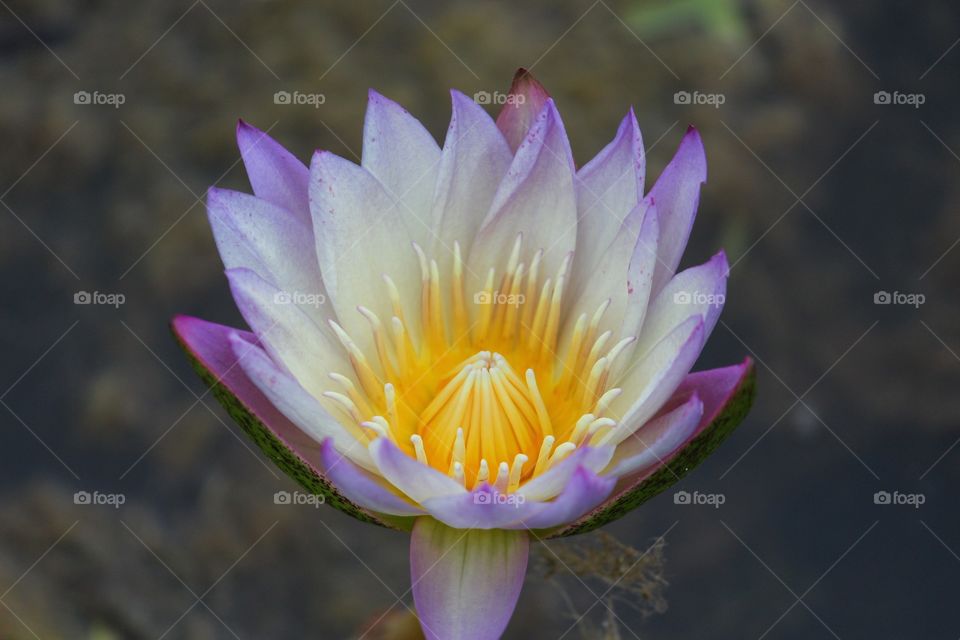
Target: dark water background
821,196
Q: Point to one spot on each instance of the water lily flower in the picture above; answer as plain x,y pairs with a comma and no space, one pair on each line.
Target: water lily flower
477,343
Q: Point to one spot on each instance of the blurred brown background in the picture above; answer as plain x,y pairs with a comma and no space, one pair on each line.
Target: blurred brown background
822,193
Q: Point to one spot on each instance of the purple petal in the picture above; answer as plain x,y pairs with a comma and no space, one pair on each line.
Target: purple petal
552,482
209,343
275,174
525,100
466,582
677,193
361,487
484,508
714,387
417,480
584,492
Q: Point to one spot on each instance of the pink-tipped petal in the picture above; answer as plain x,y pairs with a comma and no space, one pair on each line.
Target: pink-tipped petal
466,582
275,174
677,194
404,157
362,487
524,101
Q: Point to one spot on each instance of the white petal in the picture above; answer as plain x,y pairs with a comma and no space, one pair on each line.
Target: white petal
405,158
289,335
608,189
276,243
361,237
474,162
697,291
536,199
650,383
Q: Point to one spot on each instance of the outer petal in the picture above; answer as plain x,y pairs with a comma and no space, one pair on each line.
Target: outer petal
405,158
275,174
608,188
677,194
277,244
288,334
536,199
360,237
652,443
466,582
474,160
361,487
417,480
208,348
525,100
727,395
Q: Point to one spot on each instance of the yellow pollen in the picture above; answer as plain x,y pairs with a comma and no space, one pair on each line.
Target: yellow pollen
479,387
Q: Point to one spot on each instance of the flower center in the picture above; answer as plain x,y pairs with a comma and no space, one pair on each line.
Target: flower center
484,396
